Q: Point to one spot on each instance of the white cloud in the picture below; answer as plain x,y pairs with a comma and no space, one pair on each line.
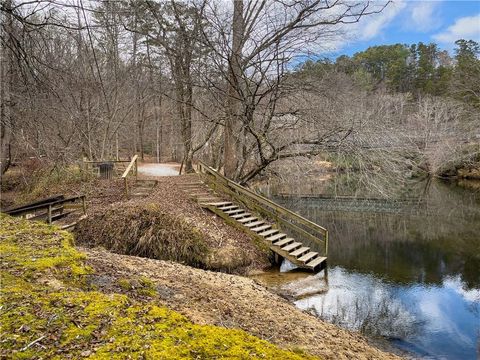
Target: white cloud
424,15
375,24
467,28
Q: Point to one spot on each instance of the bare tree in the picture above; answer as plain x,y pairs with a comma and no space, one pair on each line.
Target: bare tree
256,51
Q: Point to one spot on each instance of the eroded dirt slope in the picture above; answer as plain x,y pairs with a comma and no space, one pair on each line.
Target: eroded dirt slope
235,302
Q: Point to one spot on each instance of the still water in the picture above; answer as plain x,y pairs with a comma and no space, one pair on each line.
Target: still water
407,270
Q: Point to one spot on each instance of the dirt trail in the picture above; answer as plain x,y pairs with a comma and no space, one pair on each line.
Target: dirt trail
235,302
168,169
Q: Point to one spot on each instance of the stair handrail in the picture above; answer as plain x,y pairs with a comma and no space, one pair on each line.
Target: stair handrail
49,206
206,169
132,166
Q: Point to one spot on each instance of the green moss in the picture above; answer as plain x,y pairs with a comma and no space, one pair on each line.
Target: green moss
43,299
125,284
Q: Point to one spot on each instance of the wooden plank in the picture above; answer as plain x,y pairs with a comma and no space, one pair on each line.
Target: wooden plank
299,252
262,228
228,207
316,262
217,204
284,242
241,215
307,257
204,201
130,166
292,246
35,203
248,219
276,237
255,224
268,232
235,211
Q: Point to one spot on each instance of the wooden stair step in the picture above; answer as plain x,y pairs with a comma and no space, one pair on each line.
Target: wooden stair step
307,257
262,228
206,200
284,242
241,215
254,224
268,232
300,252
293,246
234,211
276,237
229,207
315,262
247,219
219,203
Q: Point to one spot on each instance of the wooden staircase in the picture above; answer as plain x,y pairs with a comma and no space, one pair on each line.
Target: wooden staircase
248,221
142,188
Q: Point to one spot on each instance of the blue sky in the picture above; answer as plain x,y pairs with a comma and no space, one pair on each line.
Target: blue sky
408,21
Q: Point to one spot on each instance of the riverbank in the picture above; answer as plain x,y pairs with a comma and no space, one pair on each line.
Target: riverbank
93,303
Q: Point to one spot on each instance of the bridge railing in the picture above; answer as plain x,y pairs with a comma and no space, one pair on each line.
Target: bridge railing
284,218
132,169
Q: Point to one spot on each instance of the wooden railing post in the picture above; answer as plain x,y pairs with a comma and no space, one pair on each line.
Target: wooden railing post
326,243
84,205
49,214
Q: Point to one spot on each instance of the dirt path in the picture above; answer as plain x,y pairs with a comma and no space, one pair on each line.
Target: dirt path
168,169
235,302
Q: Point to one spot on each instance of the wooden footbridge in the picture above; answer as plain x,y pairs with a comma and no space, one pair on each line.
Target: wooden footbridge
260,217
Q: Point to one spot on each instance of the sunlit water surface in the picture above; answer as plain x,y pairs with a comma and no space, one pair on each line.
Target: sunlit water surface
409,272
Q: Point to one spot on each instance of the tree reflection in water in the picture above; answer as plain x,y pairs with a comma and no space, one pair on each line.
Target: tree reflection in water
410,274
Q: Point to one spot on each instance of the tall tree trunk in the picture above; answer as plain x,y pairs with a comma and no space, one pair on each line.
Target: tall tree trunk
6,78
232,103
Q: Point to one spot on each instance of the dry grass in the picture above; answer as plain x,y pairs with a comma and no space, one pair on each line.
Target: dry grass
145,231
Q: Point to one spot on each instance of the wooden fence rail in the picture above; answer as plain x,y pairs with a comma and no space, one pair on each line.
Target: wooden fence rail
283,217
50,209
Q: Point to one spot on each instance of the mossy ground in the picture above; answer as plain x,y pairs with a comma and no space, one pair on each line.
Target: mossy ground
48,310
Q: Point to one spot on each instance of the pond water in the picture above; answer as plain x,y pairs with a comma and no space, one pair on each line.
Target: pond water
408,270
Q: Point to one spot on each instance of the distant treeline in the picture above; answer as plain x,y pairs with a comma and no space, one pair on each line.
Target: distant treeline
418,69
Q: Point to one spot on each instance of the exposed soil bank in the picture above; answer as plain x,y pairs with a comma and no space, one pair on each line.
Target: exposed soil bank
234,302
